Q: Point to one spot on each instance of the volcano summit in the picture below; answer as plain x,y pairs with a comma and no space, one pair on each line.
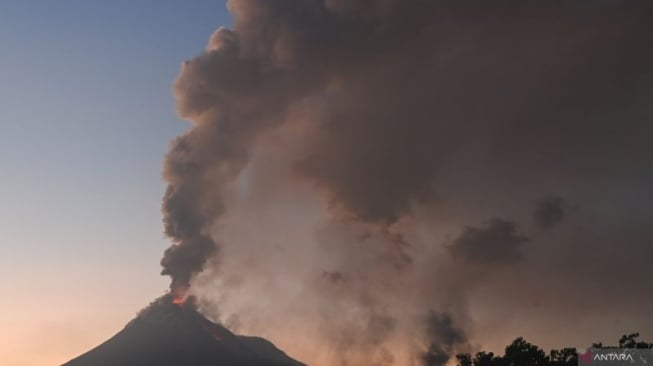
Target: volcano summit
168,334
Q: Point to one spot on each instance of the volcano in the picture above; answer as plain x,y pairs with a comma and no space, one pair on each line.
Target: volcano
169,334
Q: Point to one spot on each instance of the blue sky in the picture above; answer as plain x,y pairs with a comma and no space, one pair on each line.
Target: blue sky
86,113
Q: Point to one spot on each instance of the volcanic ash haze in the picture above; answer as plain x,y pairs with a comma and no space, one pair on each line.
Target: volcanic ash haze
390,182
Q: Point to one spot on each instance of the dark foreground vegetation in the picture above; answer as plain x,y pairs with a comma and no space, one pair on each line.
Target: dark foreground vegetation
522,353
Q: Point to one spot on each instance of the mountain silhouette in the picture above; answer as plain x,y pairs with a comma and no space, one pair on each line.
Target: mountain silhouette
167,334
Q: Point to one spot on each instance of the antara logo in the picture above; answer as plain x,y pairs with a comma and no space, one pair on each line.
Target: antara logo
613,357
588,357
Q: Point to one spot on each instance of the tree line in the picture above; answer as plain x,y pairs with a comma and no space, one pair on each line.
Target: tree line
522,353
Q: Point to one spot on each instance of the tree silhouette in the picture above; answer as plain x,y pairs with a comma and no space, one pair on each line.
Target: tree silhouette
522,353
563,357
630,341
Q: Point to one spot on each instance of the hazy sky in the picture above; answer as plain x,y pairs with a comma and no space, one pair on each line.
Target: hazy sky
86,113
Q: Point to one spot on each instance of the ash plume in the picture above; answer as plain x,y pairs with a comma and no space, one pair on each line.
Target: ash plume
443,338
498,242
336,147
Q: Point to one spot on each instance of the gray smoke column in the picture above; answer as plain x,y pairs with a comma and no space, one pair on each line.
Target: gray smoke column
230,93
443,337
280,53
344,157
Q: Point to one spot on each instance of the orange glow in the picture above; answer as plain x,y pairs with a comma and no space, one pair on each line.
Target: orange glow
179,300
179,292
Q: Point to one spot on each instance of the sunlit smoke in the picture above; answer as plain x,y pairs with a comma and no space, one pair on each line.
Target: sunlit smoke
358,180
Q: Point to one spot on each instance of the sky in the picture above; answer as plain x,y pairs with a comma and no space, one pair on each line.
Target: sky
86,113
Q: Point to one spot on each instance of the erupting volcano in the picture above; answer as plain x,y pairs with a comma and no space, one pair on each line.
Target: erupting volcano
392,182
170,333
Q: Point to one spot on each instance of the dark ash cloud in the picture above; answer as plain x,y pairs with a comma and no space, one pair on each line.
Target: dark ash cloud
443,338
390,125
495,243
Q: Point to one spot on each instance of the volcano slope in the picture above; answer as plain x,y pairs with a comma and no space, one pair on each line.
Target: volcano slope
168,334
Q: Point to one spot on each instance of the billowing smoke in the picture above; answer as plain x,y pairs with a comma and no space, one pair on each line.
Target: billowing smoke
443,338
344,157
